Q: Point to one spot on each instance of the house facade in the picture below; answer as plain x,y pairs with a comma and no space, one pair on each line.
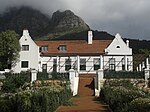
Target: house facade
83,56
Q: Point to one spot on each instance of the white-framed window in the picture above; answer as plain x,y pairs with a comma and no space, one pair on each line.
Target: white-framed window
44,48
25,47
82,64
96,62
24,64
44,67
62,48
54,65
112,64
123,64
67,64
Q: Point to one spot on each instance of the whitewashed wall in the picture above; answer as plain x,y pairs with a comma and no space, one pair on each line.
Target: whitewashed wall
32,55
123,49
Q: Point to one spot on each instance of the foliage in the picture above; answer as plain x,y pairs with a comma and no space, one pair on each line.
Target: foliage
123,74
37,100
53,76
121,95
144,51
139,105
14,81
9,48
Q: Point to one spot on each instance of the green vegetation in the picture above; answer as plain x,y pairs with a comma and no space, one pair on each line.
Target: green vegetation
15,81
9,49
37,100
52,76
18,95
122,96
123,74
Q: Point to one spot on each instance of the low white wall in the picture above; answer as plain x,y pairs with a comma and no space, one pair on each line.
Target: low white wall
74,81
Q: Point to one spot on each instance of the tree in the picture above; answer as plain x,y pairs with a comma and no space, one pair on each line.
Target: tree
9,48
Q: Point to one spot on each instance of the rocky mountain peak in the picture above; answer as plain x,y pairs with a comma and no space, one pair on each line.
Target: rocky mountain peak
67,20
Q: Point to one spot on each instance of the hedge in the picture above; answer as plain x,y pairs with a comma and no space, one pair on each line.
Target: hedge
52,76
38,100
121,96
124,74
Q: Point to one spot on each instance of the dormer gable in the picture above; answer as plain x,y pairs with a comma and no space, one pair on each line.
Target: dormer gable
118,47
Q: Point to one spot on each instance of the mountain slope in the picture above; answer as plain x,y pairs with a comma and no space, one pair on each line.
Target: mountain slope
39,24
25,17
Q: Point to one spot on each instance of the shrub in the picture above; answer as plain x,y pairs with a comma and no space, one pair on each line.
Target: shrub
123,74
38,100
14,81
53,76
139,105
119,95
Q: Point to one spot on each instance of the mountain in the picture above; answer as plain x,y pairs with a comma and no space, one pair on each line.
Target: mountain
67,20
97,35
40,24
24,17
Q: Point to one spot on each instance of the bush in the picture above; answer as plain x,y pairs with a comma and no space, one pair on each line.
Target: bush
123,74
39,100
53,76
14,81
119,95
139,105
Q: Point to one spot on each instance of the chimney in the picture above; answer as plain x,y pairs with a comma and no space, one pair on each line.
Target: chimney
90,37
127,42
25,32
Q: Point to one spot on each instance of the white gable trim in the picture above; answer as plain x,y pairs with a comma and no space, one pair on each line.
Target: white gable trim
118,47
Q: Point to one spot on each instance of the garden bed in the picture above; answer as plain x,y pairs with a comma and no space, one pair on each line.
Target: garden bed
124,96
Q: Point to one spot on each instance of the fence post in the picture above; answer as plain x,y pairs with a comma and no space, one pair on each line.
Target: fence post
99,81
71,78
147,76
33,75
74,80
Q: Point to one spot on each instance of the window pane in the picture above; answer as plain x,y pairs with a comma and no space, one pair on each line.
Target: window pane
24,64
25,47
112,60
55,65
68,64
96,62
44,48
62,48
82,61
82,64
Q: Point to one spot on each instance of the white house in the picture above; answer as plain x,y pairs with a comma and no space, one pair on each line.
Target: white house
81,55
29,54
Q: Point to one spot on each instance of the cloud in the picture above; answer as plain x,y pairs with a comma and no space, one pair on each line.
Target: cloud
128,17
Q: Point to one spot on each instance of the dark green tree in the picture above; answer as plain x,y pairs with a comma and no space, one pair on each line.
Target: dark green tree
9,48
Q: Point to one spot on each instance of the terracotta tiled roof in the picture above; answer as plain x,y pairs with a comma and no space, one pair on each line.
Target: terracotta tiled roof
75,47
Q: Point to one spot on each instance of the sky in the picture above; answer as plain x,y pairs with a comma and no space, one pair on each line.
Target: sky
130,18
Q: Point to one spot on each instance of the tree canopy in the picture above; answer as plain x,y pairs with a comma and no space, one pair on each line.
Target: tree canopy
9,48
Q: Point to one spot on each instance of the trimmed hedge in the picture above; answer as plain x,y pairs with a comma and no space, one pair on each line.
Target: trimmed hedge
123,74
53,76
38,100
122,96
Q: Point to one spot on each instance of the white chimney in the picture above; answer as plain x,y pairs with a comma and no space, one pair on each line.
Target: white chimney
25,32
127,42
90,37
